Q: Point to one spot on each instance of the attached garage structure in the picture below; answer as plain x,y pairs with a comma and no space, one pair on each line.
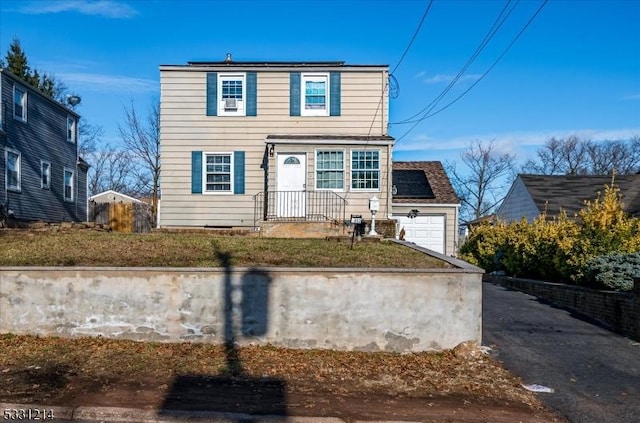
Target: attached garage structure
425,206
427,231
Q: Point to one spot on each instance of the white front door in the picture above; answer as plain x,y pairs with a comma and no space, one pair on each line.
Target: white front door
291,185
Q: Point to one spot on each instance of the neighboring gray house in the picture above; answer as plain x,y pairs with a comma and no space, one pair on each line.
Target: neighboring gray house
425,205
243,143
41,175
530,195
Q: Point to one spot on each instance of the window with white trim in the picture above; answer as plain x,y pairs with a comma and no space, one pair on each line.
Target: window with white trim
231,94
329,169
13,173
315,95
71,129
365,170
45,175
68,184
19,104
218,172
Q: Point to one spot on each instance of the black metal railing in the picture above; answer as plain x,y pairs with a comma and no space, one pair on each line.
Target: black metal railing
283,206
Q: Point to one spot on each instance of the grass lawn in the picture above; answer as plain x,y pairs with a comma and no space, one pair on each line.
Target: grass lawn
92,248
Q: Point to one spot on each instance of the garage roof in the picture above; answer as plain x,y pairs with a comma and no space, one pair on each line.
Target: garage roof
422,182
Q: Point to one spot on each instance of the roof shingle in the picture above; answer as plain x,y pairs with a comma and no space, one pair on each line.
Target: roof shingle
436,178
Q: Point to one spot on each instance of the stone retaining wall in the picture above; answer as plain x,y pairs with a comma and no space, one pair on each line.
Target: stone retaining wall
364,309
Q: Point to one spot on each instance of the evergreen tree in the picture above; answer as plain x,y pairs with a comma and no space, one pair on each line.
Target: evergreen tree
18,64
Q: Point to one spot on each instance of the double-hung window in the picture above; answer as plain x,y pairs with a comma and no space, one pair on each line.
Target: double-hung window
218,168
365,170
68,184
315,95
19,104
231,93
329,169
12,164
71,129
45,175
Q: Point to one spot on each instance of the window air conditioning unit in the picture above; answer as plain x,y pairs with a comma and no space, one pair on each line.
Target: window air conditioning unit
231,104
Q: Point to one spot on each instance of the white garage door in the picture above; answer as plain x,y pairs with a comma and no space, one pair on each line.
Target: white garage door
425,231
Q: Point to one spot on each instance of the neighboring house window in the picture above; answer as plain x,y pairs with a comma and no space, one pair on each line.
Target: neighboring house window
218,175
71,129
45,175
315,95
19,104
231,91
365,170
68,184
12,160
330,170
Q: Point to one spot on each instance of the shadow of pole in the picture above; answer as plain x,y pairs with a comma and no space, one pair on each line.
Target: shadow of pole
234,365
233,390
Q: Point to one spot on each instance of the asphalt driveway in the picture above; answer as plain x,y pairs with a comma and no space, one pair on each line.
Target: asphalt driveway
595,373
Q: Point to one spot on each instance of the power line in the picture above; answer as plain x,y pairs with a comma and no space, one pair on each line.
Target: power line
485,41
415,34
406,50
428,114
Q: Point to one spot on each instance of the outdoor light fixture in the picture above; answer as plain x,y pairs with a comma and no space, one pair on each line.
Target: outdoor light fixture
374,206
272,149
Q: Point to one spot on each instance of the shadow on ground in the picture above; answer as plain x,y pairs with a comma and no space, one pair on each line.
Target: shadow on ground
246,313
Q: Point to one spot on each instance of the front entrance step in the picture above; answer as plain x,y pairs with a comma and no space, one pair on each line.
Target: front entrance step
301,229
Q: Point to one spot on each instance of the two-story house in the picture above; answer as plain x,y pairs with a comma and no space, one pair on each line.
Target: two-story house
247,143
41,175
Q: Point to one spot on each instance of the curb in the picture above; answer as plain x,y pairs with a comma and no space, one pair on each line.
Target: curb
136,415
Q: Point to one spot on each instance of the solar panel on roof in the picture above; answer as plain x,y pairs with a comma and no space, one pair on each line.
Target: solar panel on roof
412,183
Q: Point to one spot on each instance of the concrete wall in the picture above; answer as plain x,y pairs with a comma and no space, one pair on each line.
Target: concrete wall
368,309
619,311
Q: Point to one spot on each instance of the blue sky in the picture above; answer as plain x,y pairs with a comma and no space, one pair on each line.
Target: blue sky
575,70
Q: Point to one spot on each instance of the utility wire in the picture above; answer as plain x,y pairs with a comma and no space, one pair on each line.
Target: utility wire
406,50
428,114
485,41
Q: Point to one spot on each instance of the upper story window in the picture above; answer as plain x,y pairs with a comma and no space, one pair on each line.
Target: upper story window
19,104
71,129
13,174
218,172
329,169
365,170
231,95
315,95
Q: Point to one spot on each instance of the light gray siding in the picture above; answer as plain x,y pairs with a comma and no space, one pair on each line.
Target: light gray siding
518,204
43,137
185,128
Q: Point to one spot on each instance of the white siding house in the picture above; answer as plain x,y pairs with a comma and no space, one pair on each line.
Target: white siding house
245,142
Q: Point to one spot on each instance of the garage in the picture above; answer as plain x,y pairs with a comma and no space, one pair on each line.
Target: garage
426,231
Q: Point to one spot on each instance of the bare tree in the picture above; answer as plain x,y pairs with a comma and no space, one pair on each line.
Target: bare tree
88,137
560,156
575,156
112,169
483,182
141,136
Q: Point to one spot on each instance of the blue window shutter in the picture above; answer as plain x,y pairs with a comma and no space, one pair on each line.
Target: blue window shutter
196,172
212,94
252,88
334,93
294,94
238,172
